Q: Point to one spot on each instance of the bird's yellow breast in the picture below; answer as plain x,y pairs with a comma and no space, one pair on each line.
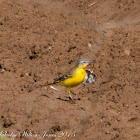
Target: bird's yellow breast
76,79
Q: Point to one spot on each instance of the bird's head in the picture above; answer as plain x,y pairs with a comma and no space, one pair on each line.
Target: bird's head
82,63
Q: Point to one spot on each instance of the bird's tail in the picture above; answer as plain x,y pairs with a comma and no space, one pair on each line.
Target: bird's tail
56,81
48,84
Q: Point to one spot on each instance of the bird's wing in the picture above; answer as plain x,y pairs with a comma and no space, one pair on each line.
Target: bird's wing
69,74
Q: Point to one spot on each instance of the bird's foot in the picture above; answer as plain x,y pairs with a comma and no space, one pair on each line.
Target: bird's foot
71,100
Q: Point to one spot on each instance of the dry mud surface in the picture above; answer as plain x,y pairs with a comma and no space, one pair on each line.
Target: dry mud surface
41,39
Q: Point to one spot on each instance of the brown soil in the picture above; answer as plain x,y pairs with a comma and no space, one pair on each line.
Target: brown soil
40,39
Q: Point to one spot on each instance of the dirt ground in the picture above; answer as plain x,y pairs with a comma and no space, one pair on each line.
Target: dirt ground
41,39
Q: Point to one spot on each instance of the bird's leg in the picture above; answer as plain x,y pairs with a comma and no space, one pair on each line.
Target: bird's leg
70,97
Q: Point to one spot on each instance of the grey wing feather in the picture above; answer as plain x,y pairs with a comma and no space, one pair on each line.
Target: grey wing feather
65,76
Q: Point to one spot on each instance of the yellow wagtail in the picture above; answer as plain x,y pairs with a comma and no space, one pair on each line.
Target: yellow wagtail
74,76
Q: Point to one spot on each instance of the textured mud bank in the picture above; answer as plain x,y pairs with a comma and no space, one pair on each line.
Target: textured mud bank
40,39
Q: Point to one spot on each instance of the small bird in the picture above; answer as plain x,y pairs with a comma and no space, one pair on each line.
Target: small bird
73,77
